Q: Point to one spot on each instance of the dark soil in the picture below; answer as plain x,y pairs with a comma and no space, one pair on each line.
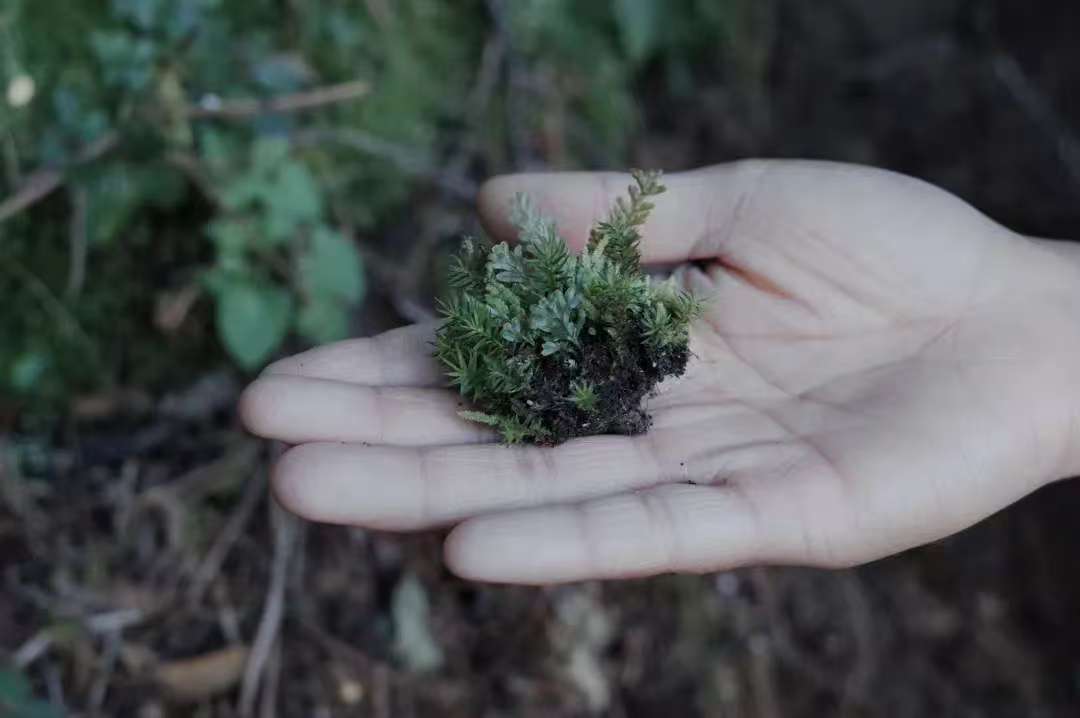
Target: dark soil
622,376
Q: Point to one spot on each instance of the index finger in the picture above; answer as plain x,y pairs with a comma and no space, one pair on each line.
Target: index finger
689,221
399,357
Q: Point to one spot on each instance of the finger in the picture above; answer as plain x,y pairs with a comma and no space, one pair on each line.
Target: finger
788,506
688,221
397,488
399,357
673,528
297,409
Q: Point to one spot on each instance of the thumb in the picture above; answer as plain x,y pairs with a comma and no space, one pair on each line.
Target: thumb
688,222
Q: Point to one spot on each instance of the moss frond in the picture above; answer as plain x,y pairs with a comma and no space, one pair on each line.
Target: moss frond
583,395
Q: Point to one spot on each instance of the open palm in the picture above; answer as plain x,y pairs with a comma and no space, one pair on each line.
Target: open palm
878,365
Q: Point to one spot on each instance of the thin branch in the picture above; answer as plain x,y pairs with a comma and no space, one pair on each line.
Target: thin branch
110,622
52,305
404,158
54,684
246,108
763,678
268,703
517,84
43,182
266,635
487,78
100,688
78,240
1040,112
215,557
193,169
11,161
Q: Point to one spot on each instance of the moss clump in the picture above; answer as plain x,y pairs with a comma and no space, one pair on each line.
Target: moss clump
548,346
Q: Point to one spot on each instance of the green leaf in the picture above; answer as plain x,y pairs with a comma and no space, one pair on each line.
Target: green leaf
252,320
185,16
126,61
331,266
217,149
143,13
269,152
285,72
14,687
414,642
243,191
25,372
17,700
111,198
295,195
322,320
638,23
231,236
115,192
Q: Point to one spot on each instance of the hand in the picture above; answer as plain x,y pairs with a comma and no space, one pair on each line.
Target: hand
879,366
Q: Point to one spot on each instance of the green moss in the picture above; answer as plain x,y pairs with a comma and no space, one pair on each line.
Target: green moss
549,346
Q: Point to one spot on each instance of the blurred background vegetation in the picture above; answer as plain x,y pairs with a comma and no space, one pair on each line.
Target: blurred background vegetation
221,160
190,187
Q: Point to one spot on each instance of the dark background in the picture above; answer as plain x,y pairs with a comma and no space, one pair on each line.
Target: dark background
143,565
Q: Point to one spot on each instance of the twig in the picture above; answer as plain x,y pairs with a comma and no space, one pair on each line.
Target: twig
295,102
43,182
266,635
32,649
381,11
54,684
487,77
866,659
193,169
100,687
15,492
268,704
780,633
762,679
77,240
381,680
52,304
215,557
11,161
110,622
1040,112
343,650
404,158
516,81
228,619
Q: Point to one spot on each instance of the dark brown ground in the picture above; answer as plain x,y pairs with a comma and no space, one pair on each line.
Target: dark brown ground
622,377
142,535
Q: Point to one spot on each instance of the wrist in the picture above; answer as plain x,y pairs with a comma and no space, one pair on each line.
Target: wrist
1065,304
1073,257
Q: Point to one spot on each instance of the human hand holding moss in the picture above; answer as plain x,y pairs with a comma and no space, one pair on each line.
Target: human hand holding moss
877,365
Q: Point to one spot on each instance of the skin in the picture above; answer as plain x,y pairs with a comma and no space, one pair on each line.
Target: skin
879,366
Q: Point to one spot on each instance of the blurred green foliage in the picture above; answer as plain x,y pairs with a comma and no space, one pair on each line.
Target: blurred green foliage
253,213
17,699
